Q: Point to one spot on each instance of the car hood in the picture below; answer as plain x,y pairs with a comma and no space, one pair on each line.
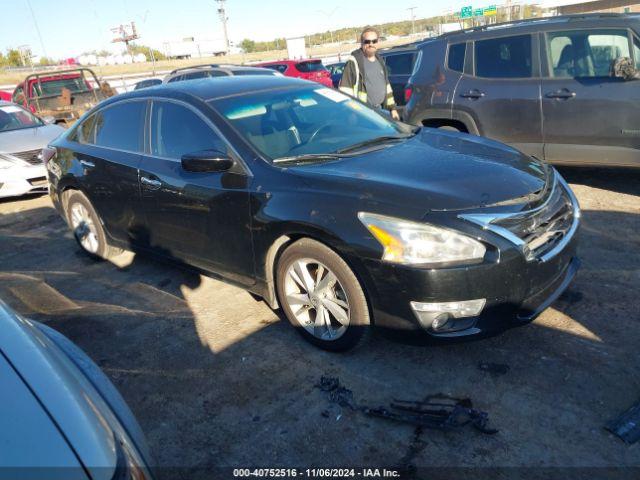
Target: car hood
28,437
435,171
26,139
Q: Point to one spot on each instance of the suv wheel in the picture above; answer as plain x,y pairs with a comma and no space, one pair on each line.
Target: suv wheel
86,226
321,296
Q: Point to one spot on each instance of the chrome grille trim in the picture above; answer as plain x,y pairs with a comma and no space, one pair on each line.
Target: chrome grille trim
488,222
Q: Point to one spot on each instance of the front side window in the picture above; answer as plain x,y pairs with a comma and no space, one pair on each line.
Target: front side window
120,126
506,57
177,130
591,53
399,64
308,120
456,57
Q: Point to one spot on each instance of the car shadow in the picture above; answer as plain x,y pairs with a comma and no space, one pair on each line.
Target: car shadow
217,379
621,180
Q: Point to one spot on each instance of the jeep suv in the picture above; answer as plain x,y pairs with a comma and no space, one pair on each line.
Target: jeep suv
549,87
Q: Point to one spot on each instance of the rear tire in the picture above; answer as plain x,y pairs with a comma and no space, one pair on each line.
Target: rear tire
321,296
449,128
87,227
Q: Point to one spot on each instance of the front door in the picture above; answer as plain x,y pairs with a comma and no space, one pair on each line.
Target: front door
590,116
199,217
502,93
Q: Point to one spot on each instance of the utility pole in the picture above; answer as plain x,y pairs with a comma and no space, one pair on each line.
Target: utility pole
223,18
413,20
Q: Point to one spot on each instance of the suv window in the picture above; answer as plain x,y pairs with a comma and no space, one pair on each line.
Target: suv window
399,63
456,57
119,126
588,53
505,57
176,130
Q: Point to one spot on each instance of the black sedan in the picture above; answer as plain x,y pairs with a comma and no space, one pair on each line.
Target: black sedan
321,206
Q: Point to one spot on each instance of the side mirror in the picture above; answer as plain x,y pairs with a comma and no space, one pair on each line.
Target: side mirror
48,119
206,161
624,68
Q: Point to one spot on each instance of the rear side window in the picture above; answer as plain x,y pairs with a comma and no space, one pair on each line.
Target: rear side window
306,67
120,126
252,72
400,63
506,57
85,133
456,57
176,130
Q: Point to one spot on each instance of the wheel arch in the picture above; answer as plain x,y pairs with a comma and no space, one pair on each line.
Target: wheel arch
290,236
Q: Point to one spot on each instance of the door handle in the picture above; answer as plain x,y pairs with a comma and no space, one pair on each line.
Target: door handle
564,93
87,164
475,94
149,182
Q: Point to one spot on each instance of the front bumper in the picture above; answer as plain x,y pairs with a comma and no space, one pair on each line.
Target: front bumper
18,181
516,291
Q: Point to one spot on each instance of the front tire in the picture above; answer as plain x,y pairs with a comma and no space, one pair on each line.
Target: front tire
87,227
321,296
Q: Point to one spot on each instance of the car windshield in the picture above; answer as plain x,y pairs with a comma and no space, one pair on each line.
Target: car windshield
13,117
310,120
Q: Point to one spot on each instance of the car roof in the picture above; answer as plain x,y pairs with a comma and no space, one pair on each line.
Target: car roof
230,69
532,25
216,87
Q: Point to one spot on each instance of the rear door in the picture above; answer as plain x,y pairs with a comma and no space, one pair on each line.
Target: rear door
108,150
201,218
399,68
590,116
501,93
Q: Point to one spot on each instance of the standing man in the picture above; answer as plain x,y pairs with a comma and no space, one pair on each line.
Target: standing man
365,75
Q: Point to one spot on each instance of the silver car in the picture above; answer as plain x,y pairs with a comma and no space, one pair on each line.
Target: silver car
22,138
60,417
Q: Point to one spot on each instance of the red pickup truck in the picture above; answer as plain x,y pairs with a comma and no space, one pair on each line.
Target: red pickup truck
63,95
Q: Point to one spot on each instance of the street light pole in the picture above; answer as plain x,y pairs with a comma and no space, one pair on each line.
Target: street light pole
223,18
413,19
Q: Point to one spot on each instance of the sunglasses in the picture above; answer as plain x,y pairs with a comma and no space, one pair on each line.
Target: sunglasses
369,42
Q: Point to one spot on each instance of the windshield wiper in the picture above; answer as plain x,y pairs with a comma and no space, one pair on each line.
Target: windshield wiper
375,141
310,157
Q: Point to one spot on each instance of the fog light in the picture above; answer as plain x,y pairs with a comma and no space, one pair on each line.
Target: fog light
439,316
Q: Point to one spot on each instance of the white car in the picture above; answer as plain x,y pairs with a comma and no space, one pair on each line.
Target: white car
22,138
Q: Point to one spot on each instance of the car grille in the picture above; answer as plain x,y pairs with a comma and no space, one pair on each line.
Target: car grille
543,228
540,232
31,156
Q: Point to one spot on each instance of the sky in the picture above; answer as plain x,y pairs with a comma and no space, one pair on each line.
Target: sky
71,27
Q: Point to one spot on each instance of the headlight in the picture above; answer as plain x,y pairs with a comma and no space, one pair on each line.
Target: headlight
6,163
420,243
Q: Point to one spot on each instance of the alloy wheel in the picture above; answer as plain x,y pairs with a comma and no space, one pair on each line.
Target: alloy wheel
84,228
317,299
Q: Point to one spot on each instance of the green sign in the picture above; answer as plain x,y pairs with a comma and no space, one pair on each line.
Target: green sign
466,12
478,12
490,11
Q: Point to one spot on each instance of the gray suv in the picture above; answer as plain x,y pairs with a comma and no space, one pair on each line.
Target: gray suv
550,87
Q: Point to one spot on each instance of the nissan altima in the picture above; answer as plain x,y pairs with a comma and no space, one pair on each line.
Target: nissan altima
22,138
325,208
